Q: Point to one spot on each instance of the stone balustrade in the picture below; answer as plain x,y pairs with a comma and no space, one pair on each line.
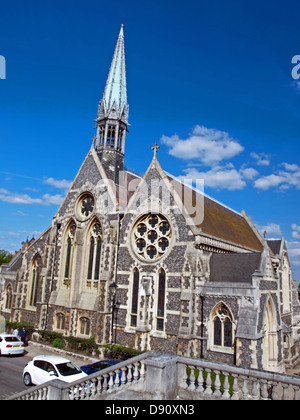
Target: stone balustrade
162,376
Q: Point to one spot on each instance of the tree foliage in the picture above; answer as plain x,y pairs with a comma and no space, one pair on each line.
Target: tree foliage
5,257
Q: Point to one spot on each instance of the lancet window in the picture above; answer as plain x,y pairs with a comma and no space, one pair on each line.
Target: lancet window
35,276
134,298
222,326
94,255
160,319
9,295
69,254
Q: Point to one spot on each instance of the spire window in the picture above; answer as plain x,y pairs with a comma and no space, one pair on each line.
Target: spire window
111,133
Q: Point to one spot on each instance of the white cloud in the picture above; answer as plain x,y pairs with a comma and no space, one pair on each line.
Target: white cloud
218,177
53,199
295,231
261,158
281,179
249,173
15,198
293,248
62,184
210,146
266,182
272,229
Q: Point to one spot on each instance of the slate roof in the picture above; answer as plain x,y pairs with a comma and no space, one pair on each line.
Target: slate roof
219,221
274,245
234,268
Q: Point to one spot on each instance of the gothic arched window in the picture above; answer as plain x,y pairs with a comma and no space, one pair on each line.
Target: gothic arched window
134,299
94,254
69,253
85,325
8,303
60,321
161,300
222,326
35,276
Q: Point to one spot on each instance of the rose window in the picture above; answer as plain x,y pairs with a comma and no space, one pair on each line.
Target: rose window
151,236
85,206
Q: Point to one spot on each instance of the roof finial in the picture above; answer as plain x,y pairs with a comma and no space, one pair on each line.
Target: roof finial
155,148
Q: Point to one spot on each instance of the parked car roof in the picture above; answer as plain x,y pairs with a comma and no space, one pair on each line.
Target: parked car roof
51,358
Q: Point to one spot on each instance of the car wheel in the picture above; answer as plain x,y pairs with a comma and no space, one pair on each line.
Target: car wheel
27,379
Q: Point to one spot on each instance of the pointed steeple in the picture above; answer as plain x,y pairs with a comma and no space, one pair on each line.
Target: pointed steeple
115,93
112,119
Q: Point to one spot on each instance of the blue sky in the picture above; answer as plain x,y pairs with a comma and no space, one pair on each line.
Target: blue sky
211,82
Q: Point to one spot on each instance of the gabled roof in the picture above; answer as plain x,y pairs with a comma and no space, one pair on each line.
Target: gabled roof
219,221
234,268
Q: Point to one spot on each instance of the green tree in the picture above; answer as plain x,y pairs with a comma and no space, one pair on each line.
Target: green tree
5,257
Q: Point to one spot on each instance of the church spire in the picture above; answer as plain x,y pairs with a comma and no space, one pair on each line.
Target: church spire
115,93
112,119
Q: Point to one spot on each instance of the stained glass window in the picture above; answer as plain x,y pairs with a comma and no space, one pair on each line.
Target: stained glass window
222,323
151,236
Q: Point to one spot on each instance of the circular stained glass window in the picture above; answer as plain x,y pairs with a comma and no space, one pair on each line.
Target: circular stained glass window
85,206
151,236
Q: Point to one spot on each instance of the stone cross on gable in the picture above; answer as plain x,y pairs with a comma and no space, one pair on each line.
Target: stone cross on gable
155,148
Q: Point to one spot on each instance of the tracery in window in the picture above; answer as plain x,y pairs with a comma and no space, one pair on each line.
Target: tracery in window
222,326
69,254
94,253
151,236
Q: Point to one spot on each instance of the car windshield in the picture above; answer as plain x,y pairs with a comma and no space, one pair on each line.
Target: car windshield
68,368
11,339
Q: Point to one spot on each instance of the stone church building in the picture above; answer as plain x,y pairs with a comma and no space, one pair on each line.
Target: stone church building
192,276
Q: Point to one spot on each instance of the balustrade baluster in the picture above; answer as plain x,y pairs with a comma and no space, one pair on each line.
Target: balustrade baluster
285,395
296,392
226,394
142,370
192,386
200,380
245,395
136,372
123,376
117,378
217,384
105,382
111,380
255,389
274,393
129,374
235,388
208,390
264,389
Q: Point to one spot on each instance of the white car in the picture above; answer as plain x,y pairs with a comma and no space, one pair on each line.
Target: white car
10,344
42,369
